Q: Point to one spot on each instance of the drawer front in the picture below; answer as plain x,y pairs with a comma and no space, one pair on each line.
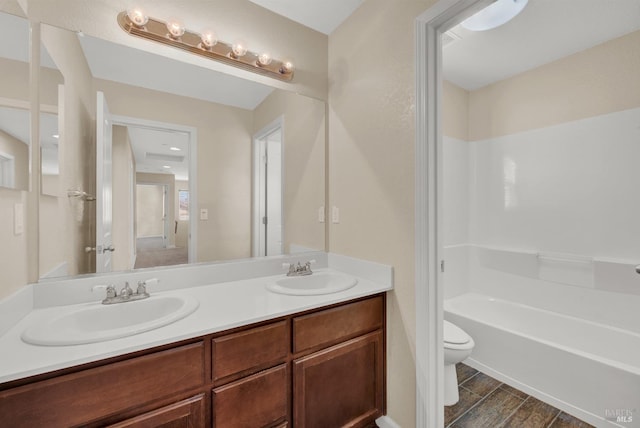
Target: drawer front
256,401
183,414
249,351
331,326
93,394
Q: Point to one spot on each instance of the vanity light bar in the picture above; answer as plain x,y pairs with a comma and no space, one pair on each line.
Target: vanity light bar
205,45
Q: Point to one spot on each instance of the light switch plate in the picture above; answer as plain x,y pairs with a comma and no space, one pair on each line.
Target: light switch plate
335,215
204,214
321,214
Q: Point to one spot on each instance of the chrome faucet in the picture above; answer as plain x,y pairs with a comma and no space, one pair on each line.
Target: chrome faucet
126,294
299,270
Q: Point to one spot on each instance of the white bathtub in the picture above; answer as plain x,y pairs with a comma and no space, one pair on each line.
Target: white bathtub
584,368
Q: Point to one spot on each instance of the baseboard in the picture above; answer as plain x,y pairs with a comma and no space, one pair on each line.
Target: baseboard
386,422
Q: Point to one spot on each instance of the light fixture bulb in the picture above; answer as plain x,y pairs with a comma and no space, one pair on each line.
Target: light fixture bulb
264,58
494,15
137,17
286,68
176,28
175,149
239,49
208,39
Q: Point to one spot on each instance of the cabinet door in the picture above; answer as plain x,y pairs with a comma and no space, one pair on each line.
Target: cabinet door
257,401
187,413
340,386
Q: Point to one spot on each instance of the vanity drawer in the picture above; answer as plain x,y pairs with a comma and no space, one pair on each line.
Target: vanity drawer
257,401
249,351
93,394
331,326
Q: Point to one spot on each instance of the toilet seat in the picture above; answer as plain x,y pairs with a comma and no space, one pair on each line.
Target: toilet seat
454,335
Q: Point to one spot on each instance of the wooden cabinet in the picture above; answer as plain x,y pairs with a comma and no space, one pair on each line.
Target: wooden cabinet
342,385
321,368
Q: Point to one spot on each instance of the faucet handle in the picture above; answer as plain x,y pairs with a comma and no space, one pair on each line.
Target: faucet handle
111,290
142,285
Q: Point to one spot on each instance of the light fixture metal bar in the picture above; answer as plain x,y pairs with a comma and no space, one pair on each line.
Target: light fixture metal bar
156,30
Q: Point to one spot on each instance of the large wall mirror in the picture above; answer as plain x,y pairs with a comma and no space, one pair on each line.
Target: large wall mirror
203,166
14,102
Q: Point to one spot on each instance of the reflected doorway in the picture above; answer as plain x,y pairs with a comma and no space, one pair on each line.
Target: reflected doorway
267,190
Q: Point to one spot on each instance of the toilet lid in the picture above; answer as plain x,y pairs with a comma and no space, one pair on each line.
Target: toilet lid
454,334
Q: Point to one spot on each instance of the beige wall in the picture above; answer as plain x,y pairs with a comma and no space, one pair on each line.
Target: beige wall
123,177
13,251
455,111
304,164
67,225
596,81
371,167
14,84
19,150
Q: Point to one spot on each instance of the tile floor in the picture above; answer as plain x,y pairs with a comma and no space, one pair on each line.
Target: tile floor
488,403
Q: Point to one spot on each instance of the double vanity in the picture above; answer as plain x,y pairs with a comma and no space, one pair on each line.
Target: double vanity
263,351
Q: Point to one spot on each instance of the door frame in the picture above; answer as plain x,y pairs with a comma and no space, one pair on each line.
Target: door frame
276,124
192,132
429,292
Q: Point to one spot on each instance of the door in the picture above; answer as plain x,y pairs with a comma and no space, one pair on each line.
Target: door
268,185
104,186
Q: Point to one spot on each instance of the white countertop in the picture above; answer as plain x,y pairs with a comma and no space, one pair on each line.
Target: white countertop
223,306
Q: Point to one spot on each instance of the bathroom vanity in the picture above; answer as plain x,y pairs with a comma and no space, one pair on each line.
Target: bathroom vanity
323,367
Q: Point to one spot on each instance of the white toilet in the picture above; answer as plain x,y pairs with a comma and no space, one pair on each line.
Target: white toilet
457,346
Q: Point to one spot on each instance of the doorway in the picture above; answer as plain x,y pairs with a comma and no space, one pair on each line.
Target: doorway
268,145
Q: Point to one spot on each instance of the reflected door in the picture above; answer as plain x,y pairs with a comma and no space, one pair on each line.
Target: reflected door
268,218
104,186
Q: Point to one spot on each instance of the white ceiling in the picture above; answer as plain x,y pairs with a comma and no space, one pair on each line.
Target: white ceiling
321,15
545,31
152,151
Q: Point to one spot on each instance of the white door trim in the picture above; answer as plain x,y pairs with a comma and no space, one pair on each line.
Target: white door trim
192,132
428,206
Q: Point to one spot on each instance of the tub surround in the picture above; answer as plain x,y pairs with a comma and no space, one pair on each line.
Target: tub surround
230,295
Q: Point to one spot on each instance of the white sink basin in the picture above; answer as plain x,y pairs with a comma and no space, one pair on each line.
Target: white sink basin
98,322
316,283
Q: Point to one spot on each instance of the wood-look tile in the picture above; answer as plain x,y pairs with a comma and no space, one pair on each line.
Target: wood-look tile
490,412
514,391
532,414
481,384
467,400
565,420
464,372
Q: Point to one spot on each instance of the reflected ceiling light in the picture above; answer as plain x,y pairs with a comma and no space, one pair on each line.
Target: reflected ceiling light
175,149
166,166
206,44
176,28
56,136
496,14
137,17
